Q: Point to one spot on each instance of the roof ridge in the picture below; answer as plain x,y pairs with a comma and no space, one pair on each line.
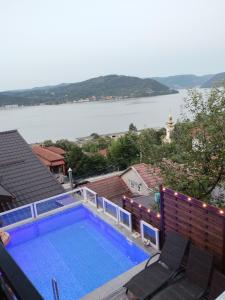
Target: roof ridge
8,131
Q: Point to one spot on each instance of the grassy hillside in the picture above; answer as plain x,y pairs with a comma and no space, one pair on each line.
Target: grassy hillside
100,87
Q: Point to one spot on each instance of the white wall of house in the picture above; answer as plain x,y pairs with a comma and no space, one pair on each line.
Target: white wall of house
135,183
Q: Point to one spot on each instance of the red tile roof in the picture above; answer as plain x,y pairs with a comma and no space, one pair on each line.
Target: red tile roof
47,155
112,188
149,174
103,152
56,150
44,161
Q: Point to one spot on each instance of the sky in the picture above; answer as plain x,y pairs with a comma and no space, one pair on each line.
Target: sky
47,42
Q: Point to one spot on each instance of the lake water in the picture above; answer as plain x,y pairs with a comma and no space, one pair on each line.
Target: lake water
70,121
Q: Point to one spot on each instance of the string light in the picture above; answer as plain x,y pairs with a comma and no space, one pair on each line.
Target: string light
158,215
204,205
139,205
189,198
175,194
124,197
131,201
164,189
221,212
149,210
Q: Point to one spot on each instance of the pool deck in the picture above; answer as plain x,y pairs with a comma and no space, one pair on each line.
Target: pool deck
115,284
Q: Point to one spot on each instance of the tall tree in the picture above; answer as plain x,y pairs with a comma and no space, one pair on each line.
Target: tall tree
200,146
151,147
132,127
124,151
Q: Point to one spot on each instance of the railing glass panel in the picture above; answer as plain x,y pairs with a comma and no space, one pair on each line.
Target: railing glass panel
149,234
16,215
125,218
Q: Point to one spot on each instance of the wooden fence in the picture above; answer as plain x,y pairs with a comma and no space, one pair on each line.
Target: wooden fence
204,224
140,212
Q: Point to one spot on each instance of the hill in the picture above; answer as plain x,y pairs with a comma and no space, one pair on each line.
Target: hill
183,81
215,81
111,86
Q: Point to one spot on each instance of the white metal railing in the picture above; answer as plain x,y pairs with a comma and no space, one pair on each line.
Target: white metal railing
117,213
149,234
90,195
30,212
17,216
125,218
111,209
100,202
39,209
58,202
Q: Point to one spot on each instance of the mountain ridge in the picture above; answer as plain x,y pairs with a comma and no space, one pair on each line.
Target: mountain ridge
215,81
102,87
184,81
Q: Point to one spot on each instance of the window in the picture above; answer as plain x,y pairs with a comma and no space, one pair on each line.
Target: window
135,185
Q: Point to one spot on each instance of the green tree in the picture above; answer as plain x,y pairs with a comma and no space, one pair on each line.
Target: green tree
91,165
124,151
94,145
94,135
65,144
48,143
197,164
151,148
73,157
132,127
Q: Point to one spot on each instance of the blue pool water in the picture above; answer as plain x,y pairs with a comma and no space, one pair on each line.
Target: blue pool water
75,247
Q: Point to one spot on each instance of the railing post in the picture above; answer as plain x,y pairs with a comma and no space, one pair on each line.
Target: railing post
96,201
103,204
85,194
35,214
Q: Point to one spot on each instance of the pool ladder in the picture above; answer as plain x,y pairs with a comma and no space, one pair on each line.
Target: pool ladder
55,289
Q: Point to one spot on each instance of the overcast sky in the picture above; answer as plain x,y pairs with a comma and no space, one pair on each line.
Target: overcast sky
46,42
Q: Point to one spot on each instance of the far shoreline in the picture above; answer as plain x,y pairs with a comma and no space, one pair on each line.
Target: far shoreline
17,106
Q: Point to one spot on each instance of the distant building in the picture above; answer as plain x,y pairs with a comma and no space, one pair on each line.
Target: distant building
169,130
52,158
23,178
103,152
57,150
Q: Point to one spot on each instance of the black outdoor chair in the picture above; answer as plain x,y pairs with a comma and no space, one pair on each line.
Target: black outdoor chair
156,275
194,283
217,286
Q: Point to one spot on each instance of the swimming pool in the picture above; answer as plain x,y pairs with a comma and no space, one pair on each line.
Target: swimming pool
77,248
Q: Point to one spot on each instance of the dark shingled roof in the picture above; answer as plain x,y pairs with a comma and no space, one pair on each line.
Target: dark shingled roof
22,174
5,194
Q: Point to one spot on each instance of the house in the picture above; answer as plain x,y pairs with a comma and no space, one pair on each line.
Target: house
57,150
139,181
52,157
142,179
23,177
112,188
103,152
